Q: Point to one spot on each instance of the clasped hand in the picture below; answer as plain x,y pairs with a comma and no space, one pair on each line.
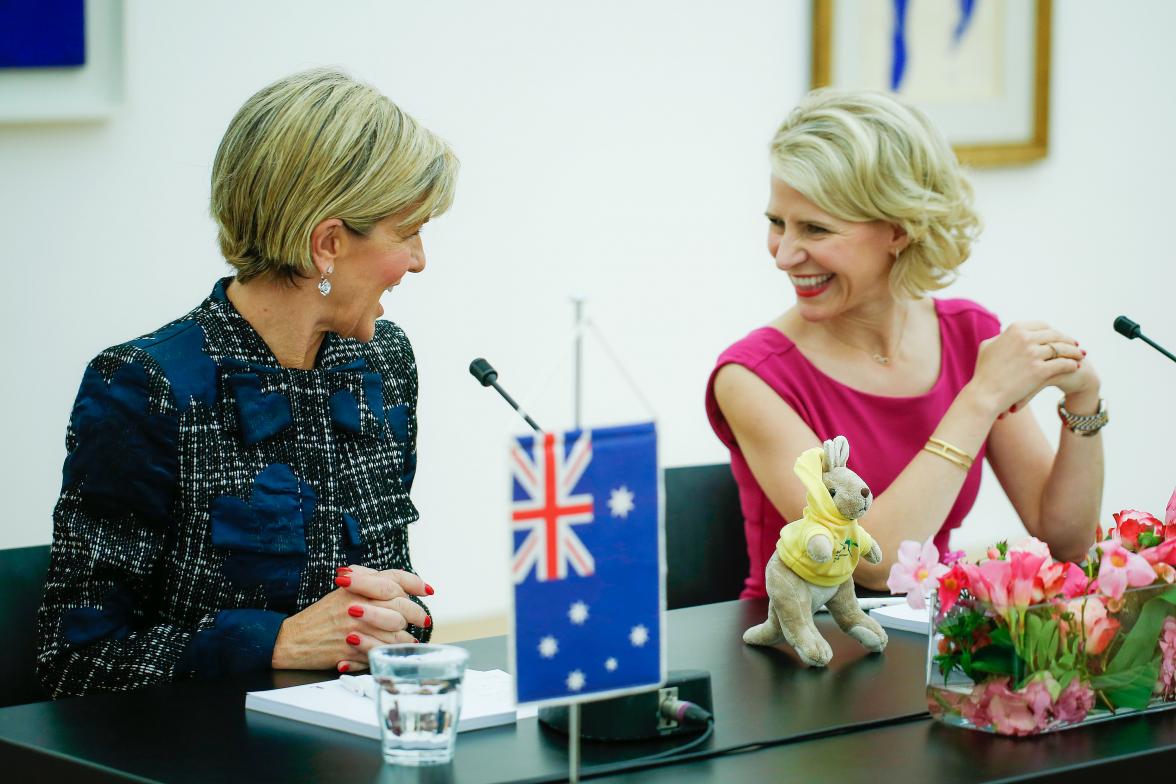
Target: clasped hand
1027,357
369,608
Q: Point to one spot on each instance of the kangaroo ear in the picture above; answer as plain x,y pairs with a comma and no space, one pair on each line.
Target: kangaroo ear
829,456
838,451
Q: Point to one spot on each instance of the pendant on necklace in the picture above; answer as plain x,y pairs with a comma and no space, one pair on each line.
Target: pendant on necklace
881,360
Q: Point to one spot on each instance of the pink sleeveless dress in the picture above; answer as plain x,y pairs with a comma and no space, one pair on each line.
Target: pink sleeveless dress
885,433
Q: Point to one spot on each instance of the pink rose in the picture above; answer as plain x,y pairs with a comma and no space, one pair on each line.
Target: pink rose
1010,711
1099,628
1076,581
1074,702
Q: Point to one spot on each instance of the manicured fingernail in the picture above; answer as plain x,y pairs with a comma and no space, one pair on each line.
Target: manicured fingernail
1083,352
343,570
1013,408
353,639
344,666
342,581
428,590
1001,415
355,611
416,641
428,622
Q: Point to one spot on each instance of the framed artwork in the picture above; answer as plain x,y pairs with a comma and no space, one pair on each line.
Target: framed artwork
978,68
60,60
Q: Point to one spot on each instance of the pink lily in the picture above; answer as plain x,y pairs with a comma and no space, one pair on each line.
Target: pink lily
1119,567
917,571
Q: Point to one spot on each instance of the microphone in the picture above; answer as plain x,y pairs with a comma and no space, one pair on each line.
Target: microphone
488,377
1130,330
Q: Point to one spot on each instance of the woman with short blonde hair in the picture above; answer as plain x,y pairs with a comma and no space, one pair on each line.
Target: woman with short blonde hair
236,491
869,211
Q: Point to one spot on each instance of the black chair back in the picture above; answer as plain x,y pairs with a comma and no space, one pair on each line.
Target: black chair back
22,580
706,553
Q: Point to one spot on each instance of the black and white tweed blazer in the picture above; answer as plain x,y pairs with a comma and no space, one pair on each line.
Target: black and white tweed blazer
208,493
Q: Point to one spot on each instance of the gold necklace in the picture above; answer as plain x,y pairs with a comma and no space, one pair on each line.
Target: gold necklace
879,358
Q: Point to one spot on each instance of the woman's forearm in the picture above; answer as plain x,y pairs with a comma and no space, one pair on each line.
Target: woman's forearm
1072,497
920,498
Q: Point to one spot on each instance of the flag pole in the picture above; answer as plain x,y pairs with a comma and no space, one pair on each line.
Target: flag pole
574,743
577,352
574,708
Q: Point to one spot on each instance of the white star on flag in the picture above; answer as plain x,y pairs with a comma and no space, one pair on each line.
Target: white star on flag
639,635
620,501
578,613
548,647
575,680
610,664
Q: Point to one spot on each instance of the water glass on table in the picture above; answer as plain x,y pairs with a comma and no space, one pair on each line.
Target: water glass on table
419,700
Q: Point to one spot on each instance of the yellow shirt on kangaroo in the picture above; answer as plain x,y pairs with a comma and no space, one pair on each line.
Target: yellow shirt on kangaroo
821,516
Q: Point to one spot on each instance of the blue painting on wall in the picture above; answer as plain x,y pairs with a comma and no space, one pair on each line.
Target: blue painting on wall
42,33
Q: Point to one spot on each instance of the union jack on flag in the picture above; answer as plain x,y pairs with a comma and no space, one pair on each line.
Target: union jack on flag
550,509
586,563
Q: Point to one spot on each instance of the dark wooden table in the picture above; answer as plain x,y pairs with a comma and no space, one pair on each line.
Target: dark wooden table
862,718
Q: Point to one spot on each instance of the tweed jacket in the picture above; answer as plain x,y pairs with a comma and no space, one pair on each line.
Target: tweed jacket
208,493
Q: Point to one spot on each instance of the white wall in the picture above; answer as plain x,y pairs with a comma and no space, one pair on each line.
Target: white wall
612,149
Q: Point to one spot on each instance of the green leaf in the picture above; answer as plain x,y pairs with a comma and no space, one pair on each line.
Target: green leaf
1149,539
1139,645
1130,687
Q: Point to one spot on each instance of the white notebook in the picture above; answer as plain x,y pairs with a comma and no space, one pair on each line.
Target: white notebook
487,700
903,617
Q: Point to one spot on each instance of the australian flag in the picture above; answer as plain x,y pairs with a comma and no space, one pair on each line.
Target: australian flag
586,563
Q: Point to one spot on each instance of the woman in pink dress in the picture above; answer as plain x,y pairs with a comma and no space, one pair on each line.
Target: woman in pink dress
869,212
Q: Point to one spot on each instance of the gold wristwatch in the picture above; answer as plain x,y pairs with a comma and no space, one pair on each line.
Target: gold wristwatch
1086,425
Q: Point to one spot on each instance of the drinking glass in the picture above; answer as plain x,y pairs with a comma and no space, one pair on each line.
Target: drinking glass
419,700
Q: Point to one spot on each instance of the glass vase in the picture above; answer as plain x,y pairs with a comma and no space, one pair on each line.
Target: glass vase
1050,666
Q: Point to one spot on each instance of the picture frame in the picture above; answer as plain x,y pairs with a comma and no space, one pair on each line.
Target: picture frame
979,68
89,92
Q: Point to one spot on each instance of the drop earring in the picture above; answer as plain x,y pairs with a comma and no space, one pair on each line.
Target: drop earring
324,285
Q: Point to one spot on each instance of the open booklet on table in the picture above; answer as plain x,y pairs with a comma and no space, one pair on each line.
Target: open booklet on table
348,703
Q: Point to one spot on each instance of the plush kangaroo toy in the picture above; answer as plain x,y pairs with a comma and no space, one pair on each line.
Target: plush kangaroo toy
815,558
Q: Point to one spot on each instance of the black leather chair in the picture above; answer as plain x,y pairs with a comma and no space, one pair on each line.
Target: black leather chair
22,580
706,554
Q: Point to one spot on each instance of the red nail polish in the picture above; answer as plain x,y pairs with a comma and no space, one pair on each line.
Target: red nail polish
1001,415
1083,352
416,641
1013,408
343,570
428,622
344,666
353,639
342,581
355,611
428,590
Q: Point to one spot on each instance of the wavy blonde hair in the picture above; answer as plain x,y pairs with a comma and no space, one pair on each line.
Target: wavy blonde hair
865,156
318,145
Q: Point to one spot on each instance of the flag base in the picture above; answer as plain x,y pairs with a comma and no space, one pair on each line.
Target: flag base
637,716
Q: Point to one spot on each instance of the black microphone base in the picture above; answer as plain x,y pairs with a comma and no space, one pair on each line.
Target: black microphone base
637,716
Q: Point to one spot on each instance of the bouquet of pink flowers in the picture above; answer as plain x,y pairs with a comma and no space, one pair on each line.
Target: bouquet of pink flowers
1023,644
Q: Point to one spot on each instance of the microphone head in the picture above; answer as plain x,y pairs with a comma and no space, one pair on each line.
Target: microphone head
483,371
1126,327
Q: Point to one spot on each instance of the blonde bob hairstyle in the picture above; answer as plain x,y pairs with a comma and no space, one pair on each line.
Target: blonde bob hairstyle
866,156
318,145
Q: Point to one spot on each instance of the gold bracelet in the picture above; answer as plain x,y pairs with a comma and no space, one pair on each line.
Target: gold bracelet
949,453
